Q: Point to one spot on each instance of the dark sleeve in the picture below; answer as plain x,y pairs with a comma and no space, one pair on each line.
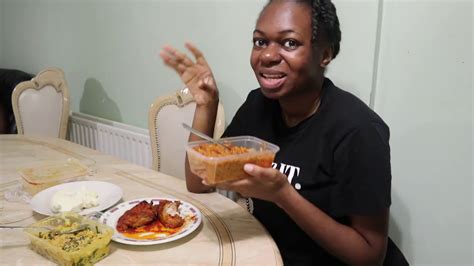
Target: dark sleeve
362,171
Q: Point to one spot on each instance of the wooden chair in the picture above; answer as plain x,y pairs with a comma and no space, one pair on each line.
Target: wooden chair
41,105
168,137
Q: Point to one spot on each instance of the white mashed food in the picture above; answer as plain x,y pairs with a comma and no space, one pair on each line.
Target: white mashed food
73,200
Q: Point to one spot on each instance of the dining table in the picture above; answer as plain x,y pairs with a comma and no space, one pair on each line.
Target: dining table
227,235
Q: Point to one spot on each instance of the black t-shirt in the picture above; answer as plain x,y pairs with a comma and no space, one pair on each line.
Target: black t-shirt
338,159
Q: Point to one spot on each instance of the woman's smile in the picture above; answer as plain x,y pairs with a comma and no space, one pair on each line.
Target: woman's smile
271,80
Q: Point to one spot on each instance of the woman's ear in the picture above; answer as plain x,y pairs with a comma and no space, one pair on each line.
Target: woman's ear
326,56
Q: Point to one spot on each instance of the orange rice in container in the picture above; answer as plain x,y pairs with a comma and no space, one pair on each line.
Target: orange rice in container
215,163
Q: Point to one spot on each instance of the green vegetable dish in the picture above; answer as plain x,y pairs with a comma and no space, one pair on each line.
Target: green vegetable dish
84,247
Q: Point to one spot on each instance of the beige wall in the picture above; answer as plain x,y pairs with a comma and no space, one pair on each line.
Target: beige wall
109,49
424,92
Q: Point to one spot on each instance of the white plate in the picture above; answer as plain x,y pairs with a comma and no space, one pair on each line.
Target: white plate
109,194
187,210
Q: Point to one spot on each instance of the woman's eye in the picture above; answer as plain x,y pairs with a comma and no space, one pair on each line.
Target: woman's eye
292,44
259,42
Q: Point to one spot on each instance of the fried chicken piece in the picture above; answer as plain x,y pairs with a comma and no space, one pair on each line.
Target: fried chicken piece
168,212
141,214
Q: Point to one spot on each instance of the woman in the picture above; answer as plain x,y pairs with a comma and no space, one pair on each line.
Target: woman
326,200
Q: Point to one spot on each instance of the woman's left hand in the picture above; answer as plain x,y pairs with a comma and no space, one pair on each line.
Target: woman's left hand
263,183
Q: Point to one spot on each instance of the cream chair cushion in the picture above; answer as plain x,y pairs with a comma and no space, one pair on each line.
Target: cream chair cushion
41,105
168,137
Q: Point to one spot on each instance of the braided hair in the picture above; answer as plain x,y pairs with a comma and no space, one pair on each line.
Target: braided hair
325,22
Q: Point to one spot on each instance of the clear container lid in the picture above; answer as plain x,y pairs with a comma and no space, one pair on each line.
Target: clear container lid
52,171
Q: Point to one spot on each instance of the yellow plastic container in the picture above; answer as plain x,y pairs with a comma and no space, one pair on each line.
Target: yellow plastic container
81,248
45,174
225,167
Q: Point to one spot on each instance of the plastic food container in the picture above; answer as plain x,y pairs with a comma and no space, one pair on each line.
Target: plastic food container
81,248
45,174
216,164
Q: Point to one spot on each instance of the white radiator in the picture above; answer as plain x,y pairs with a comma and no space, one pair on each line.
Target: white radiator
120,140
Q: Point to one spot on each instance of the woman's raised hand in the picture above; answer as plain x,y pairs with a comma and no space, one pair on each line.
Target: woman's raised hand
196,75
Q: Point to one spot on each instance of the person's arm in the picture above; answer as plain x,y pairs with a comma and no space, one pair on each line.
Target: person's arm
363,242
199,79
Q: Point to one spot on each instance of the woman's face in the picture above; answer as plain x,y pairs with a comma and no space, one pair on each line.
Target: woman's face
282,56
